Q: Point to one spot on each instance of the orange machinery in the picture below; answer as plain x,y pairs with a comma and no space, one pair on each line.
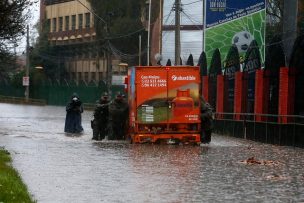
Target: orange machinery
164,104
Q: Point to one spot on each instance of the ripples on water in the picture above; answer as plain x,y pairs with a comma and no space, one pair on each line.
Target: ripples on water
60,168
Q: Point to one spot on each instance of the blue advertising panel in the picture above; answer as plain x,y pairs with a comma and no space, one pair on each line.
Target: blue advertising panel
222,11
230,74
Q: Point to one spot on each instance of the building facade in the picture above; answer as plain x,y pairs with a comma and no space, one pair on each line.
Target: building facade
71,29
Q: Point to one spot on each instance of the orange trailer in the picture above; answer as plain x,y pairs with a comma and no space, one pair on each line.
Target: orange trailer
164,104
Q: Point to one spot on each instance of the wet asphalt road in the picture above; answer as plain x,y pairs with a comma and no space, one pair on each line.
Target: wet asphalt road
64,168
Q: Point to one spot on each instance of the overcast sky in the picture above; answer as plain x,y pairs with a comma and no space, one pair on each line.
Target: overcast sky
34,11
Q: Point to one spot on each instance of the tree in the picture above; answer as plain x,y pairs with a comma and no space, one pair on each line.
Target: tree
6,62
12,26
275,15
43,54
119,23
275,10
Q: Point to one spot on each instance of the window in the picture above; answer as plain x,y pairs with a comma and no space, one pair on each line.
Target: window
73,76
60,23
73,22
54,24
93,76
67,23
100,75
87,20
79,76
86,76
80,21
48,25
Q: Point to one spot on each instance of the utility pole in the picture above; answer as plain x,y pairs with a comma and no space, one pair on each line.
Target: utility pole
149,27
108,58
160,27
204,24
27,64
139,51
109,69
177,31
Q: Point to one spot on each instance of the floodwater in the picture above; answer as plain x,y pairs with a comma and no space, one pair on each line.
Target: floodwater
62,168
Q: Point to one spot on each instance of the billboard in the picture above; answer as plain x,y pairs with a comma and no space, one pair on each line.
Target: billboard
166,94
234,22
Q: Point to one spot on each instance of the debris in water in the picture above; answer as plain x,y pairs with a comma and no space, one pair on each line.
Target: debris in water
253,161
276,177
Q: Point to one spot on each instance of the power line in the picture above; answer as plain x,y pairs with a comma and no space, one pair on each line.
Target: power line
107,38
126,35
192,2
192,20
92,12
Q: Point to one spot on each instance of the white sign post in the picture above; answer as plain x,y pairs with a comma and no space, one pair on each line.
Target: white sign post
26,81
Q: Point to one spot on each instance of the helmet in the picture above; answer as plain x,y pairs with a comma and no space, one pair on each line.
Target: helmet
105,96
119,96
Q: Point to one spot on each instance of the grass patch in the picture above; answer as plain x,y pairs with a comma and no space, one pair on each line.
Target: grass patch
12,189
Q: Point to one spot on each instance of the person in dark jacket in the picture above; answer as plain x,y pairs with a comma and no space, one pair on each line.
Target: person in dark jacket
206,121
119,111
101,117
73,116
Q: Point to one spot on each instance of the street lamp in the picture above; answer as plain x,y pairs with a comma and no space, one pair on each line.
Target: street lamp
149,25
26,79
123,65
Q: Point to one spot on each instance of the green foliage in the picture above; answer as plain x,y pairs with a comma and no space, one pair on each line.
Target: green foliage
37,77
43,54
13,18
127,44
12,189
112,12
16,80
6,63
12,27
120,23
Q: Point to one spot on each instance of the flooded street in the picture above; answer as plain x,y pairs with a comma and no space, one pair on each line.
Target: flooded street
61,168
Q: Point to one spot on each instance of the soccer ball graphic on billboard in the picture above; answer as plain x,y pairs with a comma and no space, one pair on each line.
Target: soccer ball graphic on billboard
242,41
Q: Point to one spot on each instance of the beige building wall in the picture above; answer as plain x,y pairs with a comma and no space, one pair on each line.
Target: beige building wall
68,9
79,68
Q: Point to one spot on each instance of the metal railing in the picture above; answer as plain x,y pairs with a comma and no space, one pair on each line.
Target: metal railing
267,128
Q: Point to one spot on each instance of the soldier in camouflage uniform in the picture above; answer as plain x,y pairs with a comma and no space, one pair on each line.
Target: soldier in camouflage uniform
119,111
206,121
101,118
